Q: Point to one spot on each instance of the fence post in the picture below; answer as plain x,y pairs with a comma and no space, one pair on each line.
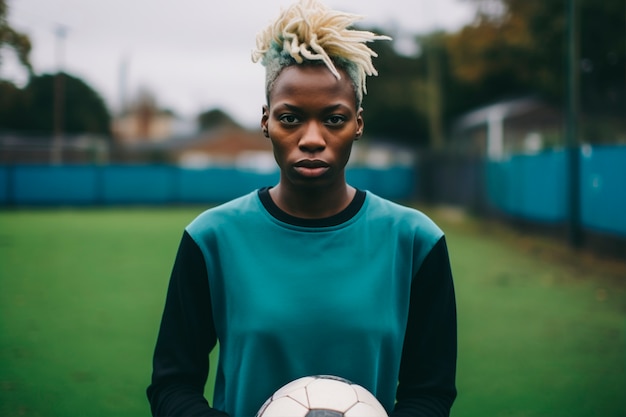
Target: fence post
572,138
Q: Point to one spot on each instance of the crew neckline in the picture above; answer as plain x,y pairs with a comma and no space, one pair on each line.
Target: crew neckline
343,216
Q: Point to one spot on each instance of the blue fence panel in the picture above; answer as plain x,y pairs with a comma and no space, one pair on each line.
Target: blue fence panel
546,189
138,184
220,184
4,185
53,185
497,184
516,179
529,186
395,183
603,189
360,178
250,180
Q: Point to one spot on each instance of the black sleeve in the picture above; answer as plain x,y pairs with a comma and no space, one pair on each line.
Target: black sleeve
426,385
186,337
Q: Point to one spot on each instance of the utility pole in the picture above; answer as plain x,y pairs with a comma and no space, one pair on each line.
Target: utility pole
56,156
435,95
572,135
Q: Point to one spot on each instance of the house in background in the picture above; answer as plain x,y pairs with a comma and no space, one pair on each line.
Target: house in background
234,146
216,147
524,125
143,125
145,121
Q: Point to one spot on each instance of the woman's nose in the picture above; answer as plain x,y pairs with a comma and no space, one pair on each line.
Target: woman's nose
312,139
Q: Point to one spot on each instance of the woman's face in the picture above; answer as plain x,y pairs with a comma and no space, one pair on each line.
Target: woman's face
312,121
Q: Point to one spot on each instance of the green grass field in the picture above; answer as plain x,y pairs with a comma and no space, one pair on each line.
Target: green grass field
542,331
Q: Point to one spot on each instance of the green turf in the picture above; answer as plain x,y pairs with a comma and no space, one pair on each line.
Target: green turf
539,334
81,292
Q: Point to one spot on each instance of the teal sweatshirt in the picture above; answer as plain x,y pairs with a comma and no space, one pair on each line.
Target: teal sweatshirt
366,295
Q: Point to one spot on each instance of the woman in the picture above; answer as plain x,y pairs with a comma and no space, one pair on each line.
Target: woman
310,276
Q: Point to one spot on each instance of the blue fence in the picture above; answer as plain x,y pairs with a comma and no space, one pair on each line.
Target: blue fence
84,185
603,190
530,187
535,187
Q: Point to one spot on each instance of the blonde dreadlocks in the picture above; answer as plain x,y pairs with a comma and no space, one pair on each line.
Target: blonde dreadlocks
308,31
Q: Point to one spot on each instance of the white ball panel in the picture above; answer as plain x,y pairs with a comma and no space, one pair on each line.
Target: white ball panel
301,396
365,410
367,397
293,386
331,394
285,407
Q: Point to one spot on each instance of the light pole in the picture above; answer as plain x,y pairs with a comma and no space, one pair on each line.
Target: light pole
59,98
572,118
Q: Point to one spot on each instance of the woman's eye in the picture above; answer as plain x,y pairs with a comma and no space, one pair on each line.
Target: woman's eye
289,119
336,120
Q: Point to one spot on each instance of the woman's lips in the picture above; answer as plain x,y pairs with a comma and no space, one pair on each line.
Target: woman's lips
311,168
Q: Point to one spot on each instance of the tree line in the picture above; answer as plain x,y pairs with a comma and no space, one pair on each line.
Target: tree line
512,48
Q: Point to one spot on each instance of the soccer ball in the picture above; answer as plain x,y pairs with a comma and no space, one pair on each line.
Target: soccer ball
322,396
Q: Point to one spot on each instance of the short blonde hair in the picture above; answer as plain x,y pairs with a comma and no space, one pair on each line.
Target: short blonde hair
310,32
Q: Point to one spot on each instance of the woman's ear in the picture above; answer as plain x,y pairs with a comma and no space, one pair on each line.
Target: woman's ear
359,123
264,119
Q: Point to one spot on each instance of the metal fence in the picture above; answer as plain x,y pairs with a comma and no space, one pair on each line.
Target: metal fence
533,188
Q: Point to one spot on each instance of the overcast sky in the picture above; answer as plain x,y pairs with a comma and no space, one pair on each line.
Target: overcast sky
192,54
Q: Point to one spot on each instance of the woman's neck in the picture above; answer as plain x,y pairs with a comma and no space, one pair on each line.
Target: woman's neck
312,203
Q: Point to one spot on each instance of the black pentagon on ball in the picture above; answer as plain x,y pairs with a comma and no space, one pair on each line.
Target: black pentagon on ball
334,378
323,413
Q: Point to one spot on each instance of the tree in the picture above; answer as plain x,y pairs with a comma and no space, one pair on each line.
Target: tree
603,58
31,108
517,47
19,42
510,51
11,106
394,108
215,118
11,97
